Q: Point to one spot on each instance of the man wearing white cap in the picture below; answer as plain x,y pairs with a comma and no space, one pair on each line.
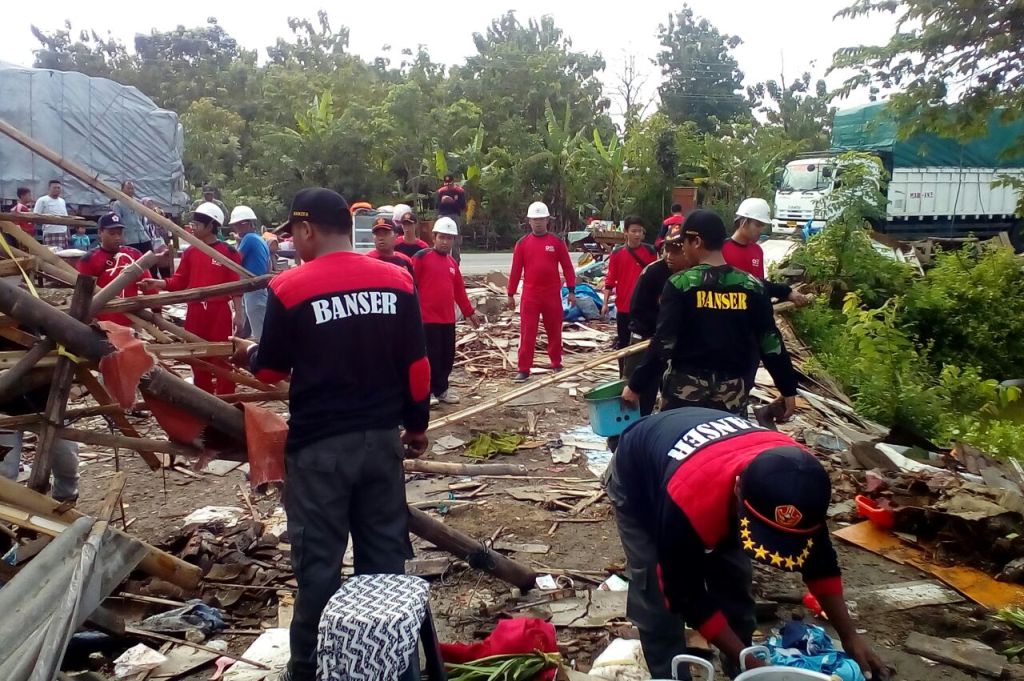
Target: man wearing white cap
440,286
536,260
256,258
744,253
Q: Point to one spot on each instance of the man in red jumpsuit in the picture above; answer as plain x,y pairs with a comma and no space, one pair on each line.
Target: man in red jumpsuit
440,286
536,259
209,319
109,260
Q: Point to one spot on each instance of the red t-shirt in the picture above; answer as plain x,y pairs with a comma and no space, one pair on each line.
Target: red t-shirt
440,286
28,227
198,269
106,266
749,258
536,259
624,268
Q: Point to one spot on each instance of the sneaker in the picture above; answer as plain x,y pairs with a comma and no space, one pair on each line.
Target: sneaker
434,401
521,377
448,397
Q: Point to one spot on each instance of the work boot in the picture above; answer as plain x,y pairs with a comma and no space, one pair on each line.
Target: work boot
521,377
449,397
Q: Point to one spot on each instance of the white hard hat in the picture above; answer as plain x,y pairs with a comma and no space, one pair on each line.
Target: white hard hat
385,210
400,210
446,226
242,214
538,209
755,209
212,211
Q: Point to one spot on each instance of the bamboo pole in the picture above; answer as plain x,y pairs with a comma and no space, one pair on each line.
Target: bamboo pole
187,296
128,276
11,380
12,268
57,273
40,218
469,469
139,444
33,247
9,359
537,385
90,179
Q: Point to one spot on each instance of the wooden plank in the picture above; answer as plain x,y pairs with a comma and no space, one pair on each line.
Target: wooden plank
90,179
188,295
100,394
10,358
11,268
41,218
138,444
966,654
60,390
36,249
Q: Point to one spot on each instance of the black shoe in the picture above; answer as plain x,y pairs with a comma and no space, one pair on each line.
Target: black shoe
521,377
556,369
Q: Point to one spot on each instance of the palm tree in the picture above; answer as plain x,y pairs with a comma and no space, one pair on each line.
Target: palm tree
563,153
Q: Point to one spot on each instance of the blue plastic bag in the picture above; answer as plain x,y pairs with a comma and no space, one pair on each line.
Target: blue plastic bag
805,646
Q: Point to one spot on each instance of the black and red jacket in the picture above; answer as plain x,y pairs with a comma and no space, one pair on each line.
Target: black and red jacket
396,258
409,250
347,329
106,266
440,286
458,204
624,268
676,473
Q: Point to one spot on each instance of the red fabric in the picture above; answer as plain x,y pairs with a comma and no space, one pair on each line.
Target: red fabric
706,493
537,259
517,636
27,227
106,266
180,426
265,435
211,321
713,626
531,308
198,269
826,586
749,258
440,286
124,368
624,271
337,273
419,379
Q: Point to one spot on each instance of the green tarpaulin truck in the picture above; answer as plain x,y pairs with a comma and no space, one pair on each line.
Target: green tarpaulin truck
937,186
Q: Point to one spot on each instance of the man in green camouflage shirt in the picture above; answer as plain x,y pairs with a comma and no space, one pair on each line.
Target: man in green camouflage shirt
714,327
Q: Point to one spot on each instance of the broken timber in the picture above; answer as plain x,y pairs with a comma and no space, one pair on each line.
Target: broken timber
231,288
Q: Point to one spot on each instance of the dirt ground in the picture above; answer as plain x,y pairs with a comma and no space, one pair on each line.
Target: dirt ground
461,597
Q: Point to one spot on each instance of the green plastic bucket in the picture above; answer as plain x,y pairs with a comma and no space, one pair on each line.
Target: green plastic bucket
609,415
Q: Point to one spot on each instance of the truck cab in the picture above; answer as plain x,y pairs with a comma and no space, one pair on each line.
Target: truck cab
800,185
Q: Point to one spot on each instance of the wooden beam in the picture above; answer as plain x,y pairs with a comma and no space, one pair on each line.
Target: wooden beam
55,272
60,390
31,312
460,469
260,396
137,270
26,508
91,180
13,268
13,422
12,380
16,335
233,288
139,444
9,359
100,394
33,247
41,218
474,552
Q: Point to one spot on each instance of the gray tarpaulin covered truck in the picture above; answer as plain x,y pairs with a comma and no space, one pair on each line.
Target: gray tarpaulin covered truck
113,130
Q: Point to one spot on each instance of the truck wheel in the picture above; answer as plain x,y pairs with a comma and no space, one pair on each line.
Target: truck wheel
1017,236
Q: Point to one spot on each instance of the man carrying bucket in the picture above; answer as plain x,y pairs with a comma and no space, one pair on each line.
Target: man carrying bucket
697,494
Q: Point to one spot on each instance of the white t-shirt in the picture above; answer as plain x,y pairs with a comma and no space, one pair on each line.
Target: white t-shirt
47,206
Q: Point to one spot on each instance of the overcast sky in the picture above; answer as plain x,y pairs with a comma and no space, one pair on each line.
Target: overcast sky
800,34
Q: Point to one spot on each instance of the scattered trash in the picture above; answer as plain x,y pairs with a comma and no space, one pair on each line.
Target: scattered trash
906,595
546,583
614,583
271,649
799,645
228,515
449,442
136,660
563,455
622,660
197,621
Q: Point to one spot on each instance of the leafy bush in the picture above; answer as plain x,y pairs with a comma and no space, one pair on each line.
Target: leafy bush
970,309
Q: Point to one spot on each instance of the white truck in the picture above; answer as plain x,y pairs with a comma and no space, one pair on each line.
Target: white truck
936,187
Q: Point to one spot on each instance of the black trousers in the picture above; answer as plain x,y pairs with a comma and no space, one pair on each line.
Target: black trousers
346,484
441,355
622,338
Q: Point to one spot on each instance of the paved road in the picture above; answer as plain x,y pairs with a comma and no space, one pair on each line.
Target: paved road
482,263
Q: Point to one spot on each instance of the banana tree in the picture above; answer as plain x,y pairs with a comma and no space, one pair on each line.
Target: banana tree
564,151
611,159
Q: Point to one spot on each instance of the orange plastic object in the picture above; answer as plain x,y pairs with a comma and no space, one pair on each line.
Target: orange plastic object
972,583
869,508
123,368
812,604
265,434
